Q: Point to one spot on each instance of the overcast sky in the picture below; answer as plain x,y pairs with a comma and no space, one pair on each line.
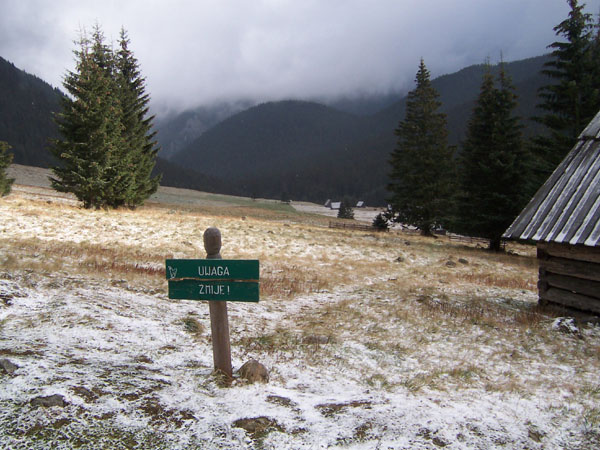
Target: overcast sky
198,52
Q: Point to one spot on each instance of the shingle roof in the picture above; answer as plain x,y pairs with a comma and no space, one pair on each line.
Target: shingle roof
566,209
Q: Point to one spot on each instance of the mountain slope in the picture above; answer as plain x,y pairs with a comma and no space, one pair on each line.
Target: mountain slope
178,131
270,137
292,149
176,176
27,105
308,151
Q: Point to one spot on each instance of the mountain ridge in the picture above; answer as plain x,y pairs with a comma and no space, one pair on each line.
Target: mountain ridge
299,149
27,105
352,160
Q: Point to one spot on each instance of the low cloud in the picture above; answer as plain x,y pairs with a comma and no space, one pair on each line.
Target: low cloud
199,52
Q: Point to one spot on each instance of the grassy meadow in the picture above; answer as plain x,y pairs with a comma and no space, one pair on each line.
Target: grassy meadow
372,340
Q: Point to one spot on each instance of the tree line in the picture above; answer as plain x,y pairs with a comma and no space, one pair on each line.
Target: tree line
480,189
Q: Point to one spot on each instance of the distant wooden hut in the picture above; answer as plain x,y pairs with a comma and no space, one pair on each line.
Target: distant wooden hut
564,219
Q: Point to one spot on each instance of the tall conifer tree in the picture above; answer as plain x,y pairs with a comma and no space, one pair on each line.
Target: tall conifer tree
5,160
90,125
106,151
572,99
492,164
141,150
422,166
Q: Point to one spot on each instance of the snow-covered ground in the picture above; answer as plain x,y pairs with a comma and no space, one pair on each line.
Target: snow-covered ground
384,341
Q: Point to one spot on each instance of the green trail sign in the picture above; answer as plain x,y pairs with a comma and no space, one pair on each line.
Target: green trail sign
213,279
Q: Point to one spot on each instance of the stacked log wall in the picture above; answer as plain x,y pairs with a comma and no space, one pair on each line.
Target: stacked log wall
569,276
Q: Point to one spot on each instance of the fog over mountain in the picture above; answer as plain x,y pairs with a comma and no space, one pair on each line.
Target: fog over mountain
197,53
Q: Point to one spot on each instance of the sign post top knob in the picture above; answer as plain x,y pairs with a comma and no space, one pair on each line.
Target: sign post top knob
212,243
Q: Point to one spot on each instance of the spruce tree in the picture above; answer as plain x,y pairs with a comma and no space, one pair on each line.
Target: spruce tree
492,164
380,222
572,99
345,211
422,165
107,151
140,148
90,125
5,160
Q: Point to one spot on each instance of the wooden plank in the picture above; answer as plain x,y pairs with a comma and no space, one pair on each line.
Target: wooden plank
355,226
219,327
469,239
578,269
219,322
542,252
566,298
575,252
575,285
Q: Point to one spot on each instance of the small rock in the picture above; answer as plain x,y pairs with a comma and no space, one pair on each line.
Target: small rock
463,261
8,367
49,401
450,264
406,242
536,435
258,426
88,395
316,339
399,259
282,401
254,371
439,442
566,325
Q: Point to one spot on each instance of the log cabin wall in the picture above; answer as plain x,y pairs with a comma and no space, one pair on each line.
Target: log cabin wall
563,217
569,275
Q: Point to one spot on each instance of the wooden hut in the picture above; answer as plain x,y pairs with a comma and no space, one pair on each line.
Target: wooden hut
564,219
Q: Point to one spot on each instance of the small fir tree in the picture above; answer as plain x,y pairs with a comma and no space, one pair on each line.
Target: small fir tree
422,163
345,211
492,164
572,99
381,222
5,160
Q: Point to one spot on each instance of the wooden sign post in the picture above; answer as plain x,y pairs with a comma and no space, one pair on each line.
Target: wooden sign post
217,281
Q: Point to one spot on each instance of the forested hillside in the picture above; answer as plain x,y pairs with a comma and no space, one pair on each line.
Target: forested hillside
307,151
180,130
26,107
288,149
176,176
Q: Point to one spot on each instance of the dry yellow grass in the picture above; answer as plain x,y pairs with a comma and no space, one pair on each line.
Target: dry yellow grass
431,287
397,313
42,233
